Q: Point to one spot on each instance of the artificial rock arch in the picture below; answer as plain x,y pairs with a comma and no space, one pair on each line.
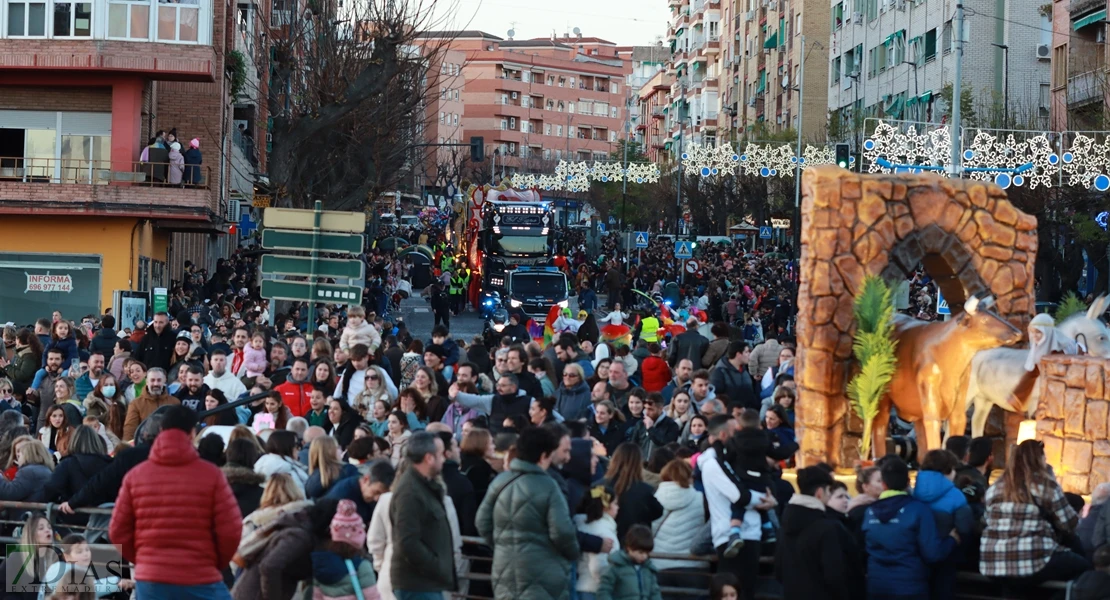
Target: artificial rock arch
969,237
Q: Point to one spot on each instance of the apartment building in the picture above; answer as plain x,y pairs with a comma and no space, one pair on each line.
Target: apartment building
538,101
892,59
653,101
645,62
83,87
1079,76
694,36
767,64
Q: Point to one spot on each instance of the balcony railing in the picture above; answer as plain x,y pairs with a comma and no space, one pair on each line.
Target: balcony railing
102,172
1086,87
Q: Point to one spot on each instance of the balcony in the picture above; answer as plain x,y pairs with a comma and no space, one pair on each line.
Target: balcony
1078,7
1085,88
657,112
53,186
150,37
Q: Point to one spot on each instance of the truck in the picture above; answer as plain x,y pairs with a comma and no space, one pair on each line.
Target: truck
533,290
513,234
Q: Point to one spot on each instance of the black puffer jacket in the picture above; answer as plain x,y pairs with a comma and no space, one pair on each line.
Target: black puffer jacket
71,474
104,486
104,342
246,485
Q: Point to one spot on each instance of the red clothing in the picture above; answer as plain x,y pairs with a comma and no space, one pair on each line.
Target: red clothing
175,517
237,357
656,373
296,396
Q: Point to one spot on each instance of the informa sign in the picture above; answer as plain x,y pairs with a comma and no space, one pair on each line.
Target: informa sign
45,282
160,298
31,283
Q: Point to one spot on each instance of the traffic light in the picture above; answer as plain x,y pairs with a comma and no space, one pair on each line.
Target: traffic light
477,149
843,157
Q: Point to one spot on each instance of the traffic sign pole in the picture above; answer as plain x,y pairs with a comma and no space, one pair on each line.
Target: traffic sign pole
318,213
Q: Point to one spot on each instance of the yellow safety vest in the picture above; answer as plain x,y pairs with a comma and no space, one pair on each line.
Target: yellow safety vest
649,329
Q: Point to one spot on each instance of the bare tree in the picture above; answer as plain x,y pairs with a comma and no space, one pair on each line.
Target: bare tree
348,97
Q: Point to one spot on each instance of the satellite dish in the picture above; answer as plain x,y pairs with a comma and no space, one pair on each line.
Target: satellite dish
785,81
512,32
577,31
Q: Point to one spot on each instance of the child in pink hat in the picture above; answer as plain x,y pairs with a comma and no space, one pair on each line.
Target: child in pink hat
340,568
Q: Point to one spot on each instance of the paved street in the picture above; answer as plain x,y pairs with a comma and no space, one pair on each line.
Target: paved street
418,316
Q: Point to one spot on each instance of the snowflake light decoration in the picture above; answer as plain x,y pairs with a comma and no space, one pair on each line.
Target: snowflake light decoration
709,161
813,156
643,173
607,171
889,150
1086,163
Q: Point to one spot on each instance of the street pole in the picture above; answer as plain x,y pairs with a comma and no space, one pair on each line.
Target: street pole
317,215
1005,83
678,205
798,154
957,138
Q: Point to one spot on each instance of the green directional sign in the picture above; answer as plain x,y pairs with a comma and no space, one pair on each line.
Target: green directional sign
281,239
275,264
300,291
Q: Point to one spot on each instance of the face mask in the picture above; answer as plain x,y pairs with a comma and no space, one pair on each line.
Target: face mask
109,391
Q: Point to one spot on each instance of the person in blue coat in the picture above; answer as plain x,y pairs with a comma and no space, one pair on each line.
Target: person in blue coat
950,510
900,534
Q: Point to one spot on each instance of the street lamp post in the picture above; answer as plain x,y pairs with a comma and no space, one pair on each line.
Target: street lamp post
1005,83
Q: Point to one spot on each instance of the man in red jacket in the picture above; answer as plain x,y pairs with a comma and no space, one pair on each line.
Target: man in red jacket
296,392
176,518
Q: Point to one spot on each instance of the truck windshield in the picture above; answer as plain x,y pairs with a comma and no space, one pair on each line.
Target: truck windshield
548,286
522,244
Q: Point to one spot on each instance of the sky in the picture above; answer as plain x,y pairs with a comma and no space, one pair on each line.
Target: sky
623,22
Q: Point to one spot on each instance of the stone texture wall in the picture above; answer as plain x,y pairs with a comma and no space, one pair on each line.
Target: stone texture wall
1073,420
966,233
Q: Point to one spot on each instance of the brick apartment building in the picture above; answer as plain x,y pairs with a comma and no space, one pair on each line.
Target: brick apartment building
537,101
1079,75
83,86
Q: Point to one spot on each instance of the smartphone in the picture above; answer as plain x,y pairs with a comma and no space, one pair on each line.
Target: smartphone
74,366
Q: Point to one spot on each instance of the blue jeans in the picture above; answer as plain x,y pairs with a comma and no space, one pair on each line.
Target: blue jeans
149,590
403,595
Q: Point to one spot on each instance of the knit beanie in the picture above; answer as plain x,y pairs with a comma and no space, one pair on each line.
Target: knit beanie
347,525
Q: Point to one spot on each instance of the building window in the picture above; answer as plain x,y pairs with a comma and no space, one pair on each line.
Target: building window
441,117
27,19
72,19
570,107
930,44
162,21
455,119
512,123
456,94
1060,66
836,69
504,124
547,129
558,131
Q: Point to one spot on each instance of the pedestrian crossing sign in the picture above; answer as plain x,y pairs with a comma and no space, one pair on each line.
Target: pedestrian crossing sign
682,250
942,305
765,233
641,239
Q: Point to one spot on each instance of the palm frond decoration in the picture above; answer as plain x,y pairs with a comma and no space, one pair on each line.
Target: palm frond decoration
1071,305
874,347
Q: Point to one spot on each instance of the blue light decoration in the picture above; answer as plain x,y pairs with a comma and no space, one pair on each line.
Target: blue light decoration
1103,219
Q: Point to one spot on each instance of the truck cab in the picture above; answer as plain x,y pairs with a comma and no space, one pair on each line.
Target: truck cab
533,290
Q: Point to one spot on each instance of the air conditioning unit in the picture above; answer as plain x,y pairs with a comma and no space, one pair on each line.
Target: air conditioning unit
233,210
857,17
1043,52
750,15
751,102
900,4
515,95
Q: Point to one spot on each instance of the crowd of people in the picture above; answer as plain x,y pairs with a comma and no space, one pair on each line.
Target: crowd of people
350,456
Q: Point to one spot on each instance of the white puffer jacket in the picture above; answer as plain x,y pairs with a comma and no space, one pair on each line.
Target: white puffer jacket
683,514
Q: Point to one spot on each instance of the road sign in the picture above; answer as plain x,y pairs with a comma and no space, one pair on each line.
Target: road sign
942,305
299,291
281,239
601,227
692,267
275,264
289,218
682,250
764,233
641,239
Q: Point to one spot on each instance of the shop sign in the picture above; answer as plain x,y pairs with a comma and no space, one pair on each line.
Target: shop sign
47,283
